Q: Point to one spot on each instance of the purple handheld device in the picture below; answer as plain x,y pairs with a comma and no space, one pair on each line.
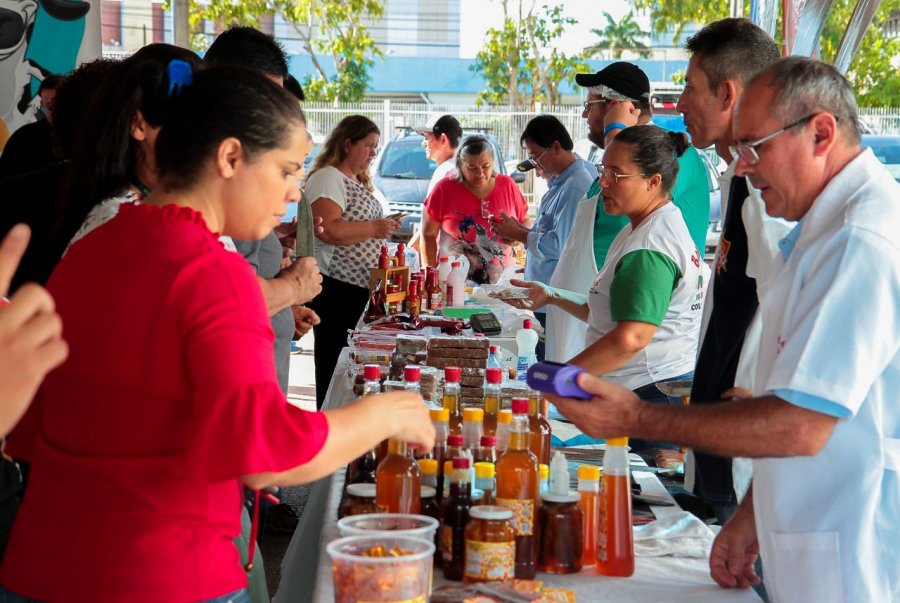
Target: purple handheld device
557,378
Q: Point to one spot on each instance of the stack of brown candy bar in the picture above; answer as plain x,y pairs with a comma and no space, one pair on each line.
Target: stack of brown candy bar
468,353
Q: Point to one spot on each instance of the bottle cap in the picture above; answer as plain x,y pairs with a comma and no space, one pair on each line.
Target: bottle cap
428,466
428,492
451,374
504,416
412,373
448,467
443,259
461,462
361,490
495,512
590,472
520,406
440,414
559,474
473,414
484,470
454,439
494,375
545,471
455,265
493,350
527,324
488,441
617,441
568,497
372,372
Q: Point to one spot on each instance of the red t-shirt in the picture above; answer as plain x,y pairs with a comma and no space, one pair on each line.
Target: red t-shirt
137,441
465,229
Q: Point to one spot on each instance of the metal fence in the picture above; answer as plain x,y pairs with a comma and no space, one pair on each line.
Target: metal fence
881,120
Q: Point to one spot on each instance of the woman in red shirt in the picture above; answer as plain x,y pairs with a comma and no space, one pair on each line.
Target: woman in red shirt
141,442
458,213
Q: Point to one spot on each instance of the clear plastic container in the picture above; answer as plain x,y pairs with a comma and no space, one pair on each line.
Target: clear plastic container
381,568
389,524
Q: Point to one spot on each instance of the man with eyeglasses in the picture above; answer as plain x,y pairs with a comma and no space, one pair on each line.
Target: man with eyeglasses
824,427
618,96
724,56
549,148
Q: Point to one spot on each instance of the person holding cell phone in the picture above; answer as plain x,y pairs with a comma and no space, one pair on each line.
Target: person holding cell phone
644,307
354,229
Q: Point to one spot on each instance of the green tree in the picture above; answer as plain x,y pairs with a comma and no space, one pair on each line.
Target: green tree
617,37
872,72
328,29
520,60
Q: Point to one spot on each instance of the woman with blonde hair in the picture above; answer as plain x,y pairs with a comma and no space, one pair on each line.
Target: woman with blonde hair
341,194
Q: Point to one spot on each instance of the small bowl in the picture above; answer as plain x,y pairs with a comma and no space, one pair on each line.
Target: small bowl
389,524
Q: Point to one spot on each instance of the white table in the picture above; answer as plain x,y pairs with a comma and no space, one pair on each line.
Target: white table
306,568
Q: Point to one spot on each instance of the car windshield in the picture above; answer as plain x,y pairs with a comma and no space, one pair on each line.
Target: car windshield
405,158
887,153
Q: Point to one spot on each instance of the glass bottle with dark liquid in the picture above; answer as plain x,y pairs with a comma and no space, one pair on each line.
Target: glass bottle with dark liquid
539,427
492,395
517,489
456,516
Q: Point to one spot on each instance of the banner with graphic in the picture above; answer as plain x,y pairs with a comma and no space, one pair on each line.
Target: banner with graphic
39,38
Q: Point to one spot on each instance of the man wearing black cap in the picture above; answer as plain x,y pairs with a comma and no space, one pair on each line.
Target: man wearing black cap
442,135
618,97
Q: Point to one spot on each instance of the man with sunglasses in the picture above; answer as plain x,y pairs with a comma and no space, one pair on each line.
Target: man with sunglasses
824,427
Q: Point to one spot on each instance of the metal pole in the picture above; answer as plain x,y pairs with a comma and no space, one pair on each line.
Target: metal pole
856,29
182,27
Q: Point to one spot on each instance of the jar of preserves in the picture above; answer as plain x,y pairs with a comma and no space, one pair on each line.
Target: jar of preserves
490,545
360,500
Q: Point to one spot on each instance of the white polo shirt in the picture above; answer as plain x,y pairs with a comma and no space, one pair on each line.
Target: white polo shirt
829,525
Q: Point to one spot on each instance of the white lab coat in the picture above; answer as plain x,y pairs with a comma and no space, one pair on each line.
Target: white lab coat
829,524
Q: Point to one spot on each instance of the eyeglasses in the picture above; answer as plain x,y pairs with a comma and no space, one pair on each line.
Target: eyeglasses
608,173
748,150
536,161
587,104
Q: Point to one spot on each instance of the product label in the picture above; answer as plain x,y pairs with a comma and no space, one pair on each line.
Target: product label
490,560
435,301
523,514
449,295
447,543
522,368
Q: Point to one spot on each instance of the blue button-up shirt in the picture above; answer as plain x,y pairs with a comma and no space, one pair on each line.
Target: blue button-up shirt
555,219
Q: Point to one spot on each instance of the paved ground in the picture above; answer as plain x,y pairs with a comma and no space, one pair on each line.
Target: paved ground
301,392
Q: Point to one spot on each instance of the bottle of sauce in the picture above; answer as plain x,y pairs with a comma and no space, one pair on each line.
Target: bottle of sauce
487,451
539,426
490,545
492,395
401,254
615,540
589,490
484,481
562,523
472,428
450,401
517,489
413,301
456,516
384,260
504,421
443,271
397,482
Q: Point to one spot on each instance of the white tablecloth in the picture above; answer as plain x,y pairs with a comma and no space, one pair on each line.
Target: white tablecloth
306,569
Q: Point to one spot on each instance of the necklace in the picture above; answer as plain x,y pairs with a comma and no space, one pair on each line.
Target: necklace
142,188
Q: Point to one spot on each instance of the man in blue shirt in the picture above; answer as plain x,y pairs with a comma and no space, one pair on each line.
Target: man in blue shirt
568,177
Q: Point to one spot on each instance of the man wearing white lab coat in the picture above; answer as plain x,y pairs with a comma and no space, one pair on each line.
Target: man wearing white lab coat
824,429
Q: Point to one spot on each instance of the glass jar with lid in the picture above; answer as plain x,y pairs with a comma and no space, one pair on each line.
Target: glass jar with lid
490,544
359,500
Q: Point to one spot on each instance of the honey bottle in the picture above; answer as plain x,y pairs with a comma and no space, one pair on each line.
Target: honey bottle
504,421
472,428
492,395
589,489
539,426
517,489
615,540
490,544
561,523
397,482
456,516
484,481
451,397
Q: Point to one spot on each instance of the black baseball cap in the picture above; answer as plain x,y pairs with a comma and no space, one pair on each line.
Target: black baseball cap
624,78
442,124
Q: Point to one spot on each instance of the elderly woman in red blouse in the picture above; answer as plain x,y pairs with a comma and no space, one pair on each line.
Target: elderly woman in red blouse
141,443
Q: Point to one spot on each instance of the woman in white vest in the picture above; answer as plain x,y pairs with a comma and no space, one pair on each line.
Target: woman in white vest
644,307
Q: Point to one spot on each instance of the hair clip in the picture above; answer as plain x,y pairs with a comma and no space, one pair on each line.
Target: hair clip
180,76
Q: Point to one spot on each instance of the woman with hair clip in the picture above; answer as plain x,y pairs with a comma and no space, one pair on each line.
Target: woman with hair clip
150,451
341,193
460,210
644,307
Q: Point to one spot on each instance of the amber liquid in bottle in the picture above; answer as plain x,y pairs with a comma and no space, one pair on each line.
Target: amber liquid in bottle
456,517
615,548
450,401
590,504
397,482
540,429
517,489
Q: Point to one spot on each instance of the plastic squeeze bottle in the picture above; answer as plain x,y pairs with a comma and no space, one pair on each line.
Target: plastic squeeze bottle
589,489
504,421
443,272
615,540
472,430
456,286
451,397
526,340
492,394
